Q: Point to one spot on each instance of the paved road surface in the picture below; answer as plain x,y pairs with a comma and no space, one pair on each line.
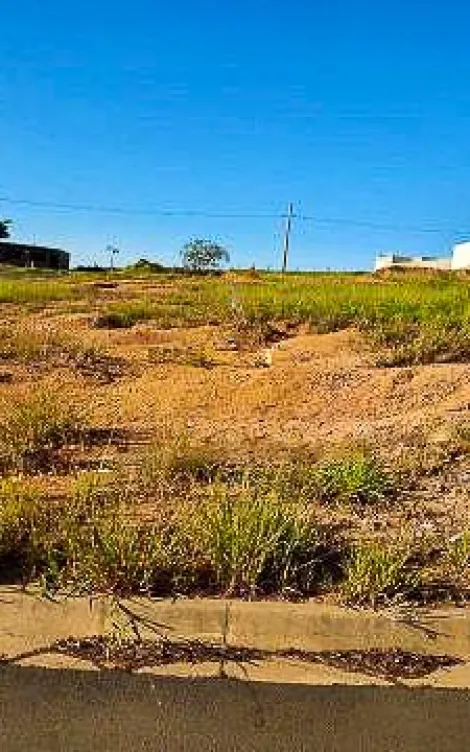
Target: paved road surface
69,711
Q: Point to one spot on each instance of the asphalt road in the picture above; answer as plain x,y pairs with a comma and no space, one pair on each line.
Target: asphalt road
69,711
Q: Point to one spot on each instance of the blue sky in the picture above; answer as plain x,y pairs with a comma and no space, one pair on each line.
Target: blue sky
359,113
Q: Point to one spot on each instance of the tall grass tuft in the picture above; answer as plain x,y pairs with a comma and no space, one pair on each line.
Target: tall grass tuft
355,478
249,538
26,530
101,547
455,561
35,426
125,315
377,572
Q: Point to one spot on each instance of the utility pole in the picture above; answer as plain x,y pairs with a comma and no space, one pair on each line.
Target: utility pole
287,232
113,250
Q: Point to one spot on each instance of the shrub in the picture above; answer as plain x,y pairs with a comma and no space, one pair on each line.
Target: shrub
144,265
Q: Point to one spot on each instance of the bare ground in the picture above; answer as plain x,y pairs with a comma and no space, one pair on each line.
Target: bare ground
318,391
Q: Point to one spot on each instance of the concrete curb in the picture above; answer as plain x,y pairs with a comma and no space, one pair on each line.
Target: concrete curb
29,622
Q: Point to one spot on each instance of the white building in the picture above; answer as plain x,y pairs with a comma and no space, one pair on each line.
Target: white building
460,259
461,256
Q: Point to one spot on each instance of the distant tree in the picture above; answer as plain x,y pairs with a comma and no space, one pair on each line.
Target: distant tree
201,255
5,228
146,265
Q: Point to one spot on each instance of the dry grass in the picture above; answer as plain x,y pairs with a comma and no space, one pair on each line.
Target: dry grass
35,427
267,480
198,357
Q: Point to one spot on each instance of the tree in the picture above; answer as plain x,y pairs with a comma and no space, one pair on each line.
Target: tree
5,228
148,266
201,255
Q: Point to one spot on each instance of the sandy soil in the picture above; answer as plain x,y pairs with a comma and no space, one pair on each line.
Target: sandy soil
318,391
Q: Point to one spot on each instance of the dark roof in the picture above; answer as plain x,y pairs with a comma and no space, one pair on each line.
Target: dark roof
31,246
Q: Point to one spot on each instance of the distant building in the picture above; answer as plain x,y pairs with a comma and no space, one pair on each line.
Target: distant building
460,259
33,256
390,260
461,256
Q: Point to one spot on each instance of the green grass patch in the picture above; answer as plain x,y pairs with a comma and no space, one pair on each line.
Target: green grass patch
378,572
250,540
410,318
34,292
125,315
355,478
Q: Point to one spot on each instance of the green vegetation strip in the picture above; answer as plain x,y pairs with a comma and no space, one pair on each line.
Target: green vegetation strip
408,318
249,532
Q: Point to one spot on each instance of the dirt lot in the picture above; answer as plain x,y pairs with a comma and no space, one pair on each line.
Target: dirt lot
301,394
319,390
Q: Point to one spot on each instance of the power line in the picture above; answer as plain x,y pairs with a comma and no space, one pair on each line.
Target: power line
370,224
158,212
131,212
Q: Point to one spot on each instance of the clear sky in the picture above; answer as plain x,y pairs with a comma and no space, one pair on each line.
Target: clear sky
358,112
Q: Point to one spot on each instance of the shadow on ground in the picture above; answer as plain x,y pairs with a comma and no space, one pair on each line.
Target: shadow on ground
48,710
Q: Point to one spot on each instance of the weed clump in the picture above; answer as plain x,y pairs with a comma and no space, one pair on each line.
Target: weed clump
35,427
191,356
100,547
125,315
251,541
49,350
356,478
405,343
378,572
448,572
24,524
25,345
87,542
